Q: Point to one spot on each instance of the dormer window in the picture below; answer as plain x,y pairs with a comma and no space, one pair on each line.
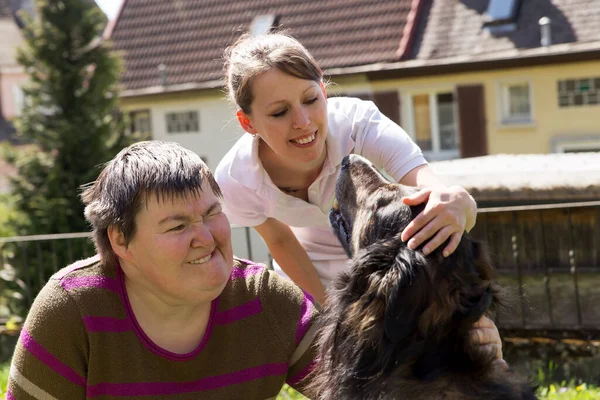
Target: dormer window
264,23
502,16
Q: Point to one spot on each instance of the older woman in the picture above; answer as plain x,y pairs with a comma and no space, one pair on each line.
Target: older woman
165,310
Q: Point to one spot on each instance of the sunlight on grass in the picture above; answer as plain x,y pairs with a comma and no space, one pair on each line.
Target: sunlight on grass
287,393
3,378
569,391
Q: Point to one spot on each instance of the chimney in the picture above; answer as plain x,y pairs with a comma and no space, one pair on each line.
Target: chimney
162,70
546,32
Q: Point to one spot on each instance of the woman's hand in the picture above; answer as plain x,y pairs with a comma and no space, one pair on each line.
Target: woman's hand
485,334
449,212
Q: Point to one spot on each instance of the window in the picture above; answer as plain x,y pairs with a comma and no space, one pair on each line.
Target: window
516,103
501,16
579,92
433,124
140,122
18,99
182,122
576,144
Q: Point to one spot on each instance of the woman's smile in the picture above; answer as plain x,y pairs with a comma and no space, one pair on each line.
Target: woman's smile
305,140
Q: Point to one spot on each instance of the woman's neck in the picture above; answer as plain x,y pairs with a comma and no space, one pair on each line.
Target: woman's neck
292,176
174,327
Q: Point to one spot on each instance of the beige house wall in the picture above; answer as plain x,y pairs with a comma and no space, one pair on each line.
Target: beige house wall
550,124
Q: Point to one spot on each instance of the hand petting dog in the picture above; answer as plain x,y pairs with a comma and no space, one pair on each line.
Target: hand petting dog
448,213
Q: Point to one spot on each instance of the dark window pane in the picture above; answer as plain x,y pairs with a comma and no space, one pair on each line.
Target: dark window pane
445,98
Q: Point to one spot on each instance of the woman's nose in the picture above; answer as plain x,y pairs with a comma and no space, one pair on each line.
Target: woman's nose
202,236
301,118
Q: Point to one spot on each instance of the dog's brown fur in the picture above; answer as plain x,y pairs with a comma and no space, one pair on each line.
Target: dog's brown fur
396,324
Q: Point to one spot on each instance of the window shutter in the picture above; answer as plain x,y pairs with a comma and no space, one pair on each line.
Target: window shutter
362,96
472,121
389,104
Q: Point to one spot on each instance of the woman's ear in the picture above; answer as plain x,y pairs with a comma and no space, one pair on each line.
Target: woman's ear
245,122
117,242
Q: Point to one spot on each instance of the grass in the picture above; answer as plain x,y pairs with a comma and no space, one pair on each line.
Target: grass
3,378
562,391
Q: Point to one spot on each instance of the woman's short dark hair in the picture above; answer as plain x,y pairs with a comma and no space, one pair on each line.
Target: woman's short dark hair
162,169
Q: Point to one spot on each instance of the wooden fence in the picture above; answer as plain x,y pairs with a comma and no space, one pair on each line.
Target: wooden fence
550,256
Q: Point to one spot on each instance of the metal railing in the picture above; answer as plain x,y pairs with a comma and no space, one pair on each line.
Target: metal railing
548,254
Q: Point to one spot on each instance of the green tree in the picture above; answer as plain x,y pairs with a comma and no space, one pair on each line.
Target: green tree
69,115
71,126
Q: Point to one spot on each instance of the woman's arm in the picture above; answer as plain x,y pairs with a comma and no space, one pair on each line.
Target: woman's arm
291,257
449,212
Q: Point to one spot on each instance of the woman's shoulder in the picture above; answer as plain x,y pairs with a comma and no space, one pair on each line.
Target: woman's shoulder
237,161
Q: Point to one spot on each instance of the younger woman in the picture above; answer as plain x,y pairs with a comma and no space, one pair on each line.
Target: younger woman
280,177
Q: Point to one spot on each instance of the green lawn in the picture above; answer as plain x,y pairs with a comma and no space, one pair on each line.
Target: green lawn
562,391
3,378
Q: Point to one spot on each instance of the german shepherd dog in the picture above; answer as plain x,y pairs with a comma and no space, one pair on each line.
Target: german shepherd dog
396,325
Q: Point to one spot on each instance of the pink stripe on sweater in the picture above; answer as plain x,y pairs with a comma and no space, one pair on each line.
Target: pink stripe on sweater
245,272
295,380
106,324
44,356
242,311
90,281
305,314
170,388
9,395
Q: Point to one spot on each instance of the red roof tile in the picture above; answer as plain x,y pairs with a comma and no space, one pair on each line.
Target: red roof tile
189,36
454,28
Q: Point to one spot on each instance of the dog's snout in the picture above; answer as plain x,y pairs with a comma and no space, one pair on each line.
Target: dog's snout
345,162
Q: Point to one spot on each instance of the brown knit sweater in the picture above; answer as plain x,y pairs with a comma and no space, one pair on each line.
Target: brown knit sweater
81,340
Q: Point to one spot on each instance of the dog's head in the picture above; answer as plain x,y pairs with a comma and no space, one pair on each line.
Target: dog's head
397,298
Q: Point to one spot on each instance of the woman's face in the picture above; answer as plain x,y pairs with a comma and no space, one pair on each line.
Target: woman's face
290,116
181,251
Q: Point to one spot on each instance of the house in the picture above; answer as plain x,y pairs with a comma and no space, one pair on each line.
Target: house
463,77
12,75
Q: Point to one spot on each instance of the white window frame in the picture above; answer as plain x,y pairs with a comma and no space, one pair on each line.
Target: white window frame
564,144
134,113
181,111
436,154
503,106
18,99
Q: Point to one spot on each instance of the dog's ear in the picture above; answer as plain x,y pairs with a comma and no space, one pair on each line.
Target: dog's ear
404,305
481,293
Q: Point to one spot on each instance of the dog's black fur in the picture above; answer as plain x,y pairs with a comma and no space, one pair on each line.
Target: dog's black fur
396,324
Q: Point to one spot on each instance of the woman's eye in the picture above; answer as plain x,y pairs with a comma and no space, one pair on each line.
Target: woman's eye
177,228
214,213
279,114
311,101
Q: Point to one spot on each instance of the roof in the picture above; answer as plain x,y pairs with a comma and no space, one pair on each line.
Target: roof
453,28
383,37
189,36
557,176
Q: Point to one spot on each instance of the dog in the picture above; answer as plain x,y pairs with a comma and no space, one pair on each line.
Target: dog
396,324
